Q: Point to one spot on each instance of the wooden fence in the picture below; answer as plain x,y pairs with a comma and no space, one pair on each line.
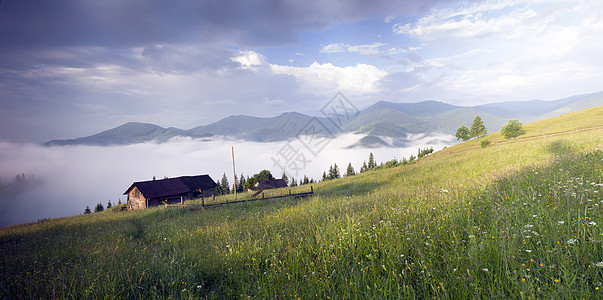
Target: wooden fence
212,205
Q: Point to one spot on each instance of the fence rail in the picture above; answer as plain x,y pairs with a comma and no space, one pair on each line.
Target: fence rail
213,205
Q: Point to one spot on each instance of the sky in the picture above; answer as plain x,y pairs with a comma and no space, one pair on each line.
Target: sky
71,68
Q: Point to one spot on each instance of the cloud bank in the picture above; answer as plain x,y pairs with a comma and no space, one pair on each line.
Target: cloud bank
67,179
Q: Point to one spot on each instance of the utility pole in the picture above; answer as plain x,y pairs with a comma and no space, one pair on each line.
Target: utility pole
234,174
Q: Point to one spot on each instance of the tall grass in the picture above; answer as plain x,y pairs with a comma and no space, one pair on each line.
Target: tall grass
515,220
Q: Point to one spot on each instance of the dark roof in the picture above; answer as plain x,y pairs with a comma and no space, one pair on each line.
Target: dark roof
270,184
173,186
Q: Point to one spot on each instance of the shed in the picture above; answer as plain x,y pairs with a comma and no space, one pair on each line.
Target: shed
144,194
269,184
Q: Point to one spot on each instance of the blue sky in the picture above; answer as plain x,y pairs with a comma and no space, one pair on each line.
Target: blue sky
71,68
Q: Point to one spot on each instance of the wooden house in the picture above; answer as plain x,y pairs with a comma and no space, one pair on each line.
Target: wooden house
269,184
145,194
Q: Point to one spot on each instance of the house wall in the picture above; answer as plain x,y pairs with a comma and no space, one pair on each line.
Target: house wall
208,192
136,200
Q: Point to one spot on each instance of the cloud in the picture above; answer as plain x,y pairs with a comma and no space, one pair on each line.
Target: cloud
67,179
368,49
502,49
249,59
334,48
321,78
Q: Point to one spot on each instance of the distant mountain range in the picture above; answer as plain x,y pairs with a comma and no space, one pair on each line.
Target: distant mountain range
377,123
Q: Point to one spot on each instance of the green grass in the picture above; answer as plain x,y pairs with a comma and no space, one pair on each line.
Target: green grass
513,220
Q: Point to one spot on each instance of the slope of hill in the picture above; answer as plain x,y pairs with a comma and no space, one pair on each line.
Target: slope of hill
395,120
520,217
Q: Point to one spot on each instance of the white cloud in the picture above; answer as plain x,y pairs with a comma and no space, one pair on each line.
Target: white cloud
512,49
367,49
370,49
320,78
70,178
249,59
334,48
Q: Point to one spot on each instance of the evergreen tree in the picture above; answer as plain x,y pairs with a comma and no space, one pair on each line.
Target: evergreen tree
119,201
293,181
330,174
324,176
306,180
336,173
225,185
462,133
87,210
240,187
477,128
154,178
350,171
285,178
364,168
99,207
371,162
109,204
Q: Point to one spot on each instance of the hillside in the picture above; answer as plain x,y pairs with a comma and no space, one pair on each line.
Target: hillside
382,119
520,218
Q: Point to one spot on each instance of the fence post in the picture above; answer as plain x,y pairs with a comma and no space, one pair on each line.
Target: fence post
262,195
312,189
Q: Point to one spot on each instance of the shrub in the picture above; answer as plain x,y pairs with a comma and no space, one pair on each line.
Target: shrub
512,129
485,143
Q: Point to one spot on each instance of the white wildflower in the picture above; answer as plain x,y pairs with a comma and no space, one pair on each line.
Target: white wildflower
561,222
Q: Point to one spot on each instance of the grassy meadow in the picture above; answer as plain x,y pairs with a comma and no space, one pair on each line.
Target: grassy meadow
513,220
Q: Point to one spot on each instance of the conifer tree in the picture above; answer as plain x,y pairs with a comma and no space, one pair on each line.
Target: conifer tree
477,128
99,207
336,173
285,178
87,210
364,167
350,171
371,162
225,185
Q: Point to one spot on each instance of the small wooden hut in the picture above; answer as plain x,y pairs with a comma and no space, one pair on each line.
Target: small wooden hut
144,194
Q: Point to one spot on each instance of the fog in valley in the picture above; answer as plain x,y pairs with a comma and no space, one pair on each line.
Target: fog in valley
38,182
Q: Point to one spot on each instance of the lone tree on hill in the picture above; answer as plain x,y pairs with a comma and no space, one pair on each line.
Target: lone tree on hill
462,133
477,128
87,210
512,129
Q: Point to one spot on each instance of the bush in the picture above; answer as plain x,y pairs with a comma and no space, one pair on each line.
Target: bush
485,143
512,129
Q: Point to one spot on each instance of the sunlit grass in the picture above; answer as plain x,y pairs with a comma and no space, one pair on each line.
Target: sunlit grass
511,220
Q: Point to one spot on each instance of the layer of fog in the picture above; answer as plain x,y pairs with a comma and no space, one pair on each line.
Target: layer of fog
62,181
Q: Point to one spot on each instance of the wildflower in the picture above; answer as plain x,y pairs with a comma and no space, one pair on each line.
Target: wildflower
571,241
599,264
561,222
529,251
593,223
529,226
485,270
